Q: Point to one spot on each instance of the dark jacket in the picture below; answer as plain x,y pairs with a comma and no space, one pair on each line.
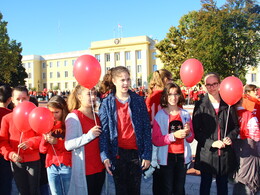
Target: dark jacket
205,125
141,124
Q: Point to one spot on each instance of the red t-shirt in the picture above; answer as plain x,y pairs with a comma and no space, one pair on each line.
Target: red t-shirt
126,134
176,147
153,103
92,151
56,153
3,112
11,137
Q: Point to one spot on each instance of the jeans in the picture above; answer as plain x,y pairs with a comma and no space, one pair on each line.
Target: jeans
173,175
59,179
6,177
27,177
221,181
127,174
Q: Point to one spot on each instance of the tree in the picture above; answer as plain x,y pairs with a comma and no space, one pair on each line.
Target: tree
225,39
12,71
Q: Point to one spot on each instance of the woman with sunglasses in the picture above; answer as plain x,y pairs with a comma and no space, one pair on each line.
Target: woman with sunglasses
214,155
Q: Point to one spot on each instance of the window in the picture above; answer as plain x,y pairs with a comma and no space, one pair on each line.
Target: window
74,84
50,64
50,74
73,62
138,54
58,74
58,84
66,74
43,65
253,77
29,64
44,85
44,75
154,54
139,82
29,75
107,68
65,63
139,68
127,55
154,67
117,55
97,56
58,63
66,85
107,57
51,85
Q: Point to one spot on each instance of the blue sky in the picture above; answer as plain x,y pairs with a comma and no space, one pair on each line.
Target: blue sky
56,26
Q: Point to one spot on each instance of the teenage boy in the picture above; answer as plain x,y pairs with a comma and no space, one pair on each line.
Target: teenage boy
25,164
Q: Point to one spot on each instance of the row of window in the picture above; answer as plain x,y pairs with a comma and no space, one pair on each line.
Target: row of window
51,64
66,73
127,56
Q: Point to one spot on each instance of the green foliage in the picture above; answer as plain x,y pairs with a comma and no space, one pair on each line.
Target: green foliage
226,39
12,71
56,87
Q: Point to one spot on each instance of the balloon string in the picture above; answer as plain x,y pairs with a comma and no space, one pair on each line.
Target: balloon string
21,136
93,111
55,154
188,96
227,121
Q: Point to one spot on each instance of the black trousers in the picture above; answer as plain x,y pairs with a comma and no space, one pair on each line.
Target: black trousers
127,173
95,183
27,177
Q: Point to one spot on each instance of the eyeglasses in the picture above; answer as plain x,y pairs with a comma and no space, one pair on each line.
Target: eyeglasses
175,95
211,85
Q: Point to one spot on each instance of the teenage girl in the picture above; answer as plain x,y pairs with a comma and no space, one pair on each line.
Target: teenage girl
58,159
125,141
82,137
171,133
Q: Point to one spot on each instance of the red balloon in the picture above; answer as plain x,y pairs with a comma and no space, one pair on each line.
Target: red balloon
231,90
41,120
191,72
87,71
21,116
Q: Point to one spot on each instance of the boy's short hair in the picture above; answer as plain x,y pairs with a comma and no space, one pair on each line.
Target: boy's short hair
5,93
22,89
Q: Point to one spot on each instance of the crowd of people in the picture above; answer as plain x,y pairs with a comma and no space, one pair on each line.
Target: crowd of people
135,133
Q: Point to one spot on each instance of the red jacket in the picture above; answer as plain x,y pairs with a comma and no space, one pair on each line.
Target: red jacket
153,103
10,138
56,153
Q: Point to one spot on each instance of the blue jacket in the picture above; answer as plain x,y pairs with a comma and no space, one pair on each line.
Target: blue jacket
141,124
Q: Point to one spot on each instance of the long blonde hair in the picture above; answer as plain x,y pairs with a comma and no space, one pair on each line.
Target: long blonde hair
73,100
158,79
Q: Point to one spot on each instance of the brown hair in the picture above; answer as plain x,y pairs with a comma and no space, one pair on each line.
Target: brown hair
115,72
165,93
157,79
59,103
106,84
249,87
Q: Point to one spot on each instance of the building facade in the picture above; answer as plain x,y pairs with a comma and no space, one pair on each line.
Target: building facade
55,71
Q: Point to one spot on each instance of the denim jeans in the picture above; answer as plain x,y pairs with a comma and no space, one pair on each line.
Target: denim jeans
59,179
27,177
127,173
